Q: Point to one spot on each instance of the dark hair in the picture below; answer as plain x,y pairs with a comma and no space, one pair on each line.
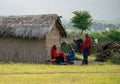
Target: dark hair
86,35
54,47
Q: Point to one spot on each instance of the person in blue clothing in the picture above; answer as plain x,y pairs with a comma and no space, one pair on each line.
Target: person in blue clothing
71,56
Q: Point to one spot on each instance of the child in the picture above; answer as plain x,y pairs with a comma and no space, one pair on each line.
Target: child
71,56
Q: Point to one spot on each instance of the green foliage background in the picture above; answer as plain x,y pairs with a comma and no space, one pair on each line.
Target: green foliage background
82,20
112,36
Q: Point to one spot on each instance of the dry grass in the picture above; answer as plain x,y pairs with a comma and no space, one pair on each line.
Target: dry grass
54,74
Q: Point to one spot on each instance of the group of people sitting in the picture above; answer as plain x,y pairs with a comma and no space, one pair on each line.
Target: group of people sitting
62,58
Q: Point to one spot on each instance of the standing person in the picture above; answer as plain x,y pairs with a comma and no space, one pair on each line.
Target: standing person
86,48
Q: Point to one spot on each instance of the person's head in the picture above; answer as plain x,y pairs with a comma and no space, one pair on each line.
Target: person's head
72,49
54,47
86,35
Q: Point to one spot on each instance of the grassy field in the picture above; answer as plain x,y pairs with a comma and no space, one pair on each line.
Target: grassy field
55,74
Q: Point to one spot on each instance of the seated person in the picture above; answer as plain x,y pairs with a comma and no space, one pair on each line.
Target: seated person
71,56
58,56
54,52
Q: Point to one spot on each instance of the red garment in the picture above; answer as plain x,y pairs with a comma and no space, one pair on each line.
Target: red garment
63,54
87,43
55,54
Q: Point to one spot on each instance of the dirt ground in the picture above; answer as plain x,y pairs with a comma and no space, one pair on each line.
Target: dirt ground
79,62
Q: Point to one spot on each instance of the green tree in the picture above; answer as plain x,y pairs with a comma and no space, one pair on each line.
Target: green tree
82,20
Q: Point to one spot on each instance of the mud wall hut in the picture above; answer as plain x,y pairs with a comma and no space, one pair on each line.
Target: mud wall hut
29,38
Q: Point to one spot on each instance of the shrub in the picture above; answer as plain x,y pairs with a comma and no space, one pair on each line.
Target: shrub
114,36
102,37
65,47
116,58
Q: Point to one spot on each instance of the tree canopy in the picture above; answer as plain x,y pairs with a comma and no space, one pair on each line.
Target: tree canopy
82,20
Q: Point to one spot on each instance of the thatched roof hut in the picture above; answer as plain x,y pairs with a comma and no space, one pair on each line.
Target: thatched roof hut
31,27
46,30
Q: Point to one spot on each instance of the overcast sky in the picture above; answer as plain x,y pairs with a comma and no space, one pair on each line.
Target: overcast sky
99,9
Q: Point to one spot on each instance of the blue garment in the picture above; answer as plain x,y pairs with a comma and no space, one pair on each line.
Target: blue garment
71,56
86,52
85,55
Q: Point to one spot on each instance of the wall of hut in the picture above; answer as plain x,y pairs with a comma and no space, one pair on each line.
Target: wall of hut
53,38
22,50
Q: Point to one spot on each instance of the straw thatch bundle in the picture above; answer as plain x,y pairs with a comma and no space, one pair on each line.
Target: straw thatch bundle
31,27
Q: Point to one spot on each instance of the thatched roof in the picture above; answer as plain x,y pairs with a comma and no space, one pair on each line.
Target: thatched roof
31,27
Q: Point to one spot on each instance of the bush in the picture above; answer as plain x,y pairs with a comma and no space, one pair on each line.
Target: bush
65,47
114,36
102,37
116,58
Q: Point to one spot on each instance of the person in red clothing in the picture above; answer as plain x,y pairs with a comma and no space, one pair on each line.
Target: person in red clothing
86,48
58,56
54,52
